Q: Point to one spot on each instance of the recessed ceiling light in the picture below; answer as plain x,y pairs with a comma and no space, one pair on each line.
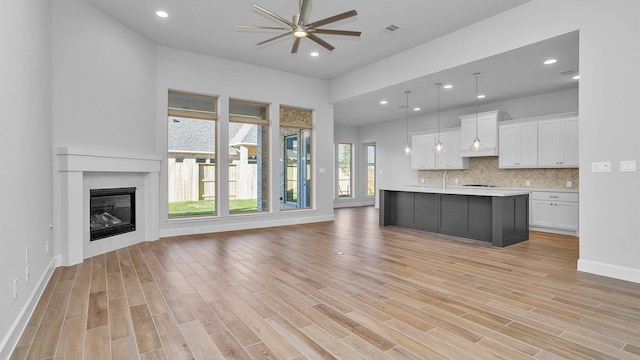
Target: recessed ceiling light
481,96
383,102
577,77
550,61
162,14
416,109
448,86
314,54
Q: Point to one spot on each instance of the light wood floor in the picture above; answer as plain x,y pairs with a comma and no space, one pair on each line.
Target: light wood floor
346,289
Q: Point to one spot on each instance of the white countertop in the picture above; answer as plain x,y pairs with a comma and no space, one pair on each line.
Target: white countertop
462,190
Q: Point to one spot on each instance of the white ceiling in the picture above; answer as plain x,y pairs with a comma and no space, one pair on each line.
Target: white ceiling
208,27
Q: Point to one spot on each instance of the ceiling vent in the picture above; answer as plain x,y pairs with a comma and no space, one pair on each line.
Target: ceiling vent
391,28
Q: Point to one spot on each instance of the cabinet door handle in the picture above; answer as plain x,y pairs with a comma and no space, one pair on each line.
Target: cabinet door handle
553,197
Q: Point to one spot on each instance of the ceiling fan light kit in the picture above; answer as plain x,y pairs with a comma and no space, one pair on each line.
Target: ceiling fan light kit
300,28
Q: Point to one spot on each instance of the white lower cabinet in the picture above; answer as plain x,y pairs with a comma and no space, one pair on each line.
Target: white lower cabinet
554,211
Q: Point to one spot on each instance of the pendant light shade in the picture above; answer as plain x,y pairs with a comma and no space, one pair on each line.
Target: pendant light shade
476,145
438,148
407,149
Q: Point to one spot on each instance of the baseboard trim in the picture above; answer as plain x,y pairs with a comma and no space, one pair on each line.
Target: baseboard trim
12,337
343,204
204,229
608,270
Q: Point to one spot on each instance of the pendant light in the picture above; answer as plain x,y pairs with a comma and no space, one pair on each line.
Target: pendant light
407,148
476,145
438,148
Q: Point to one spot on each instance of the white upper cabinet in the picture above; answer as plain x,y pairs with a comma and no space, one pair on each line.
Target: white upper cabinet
518,145
487,125
450,157
558,142
422,156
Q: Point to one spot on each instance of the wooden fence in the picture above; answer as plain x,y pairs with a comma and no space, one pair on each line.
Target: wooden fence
191,181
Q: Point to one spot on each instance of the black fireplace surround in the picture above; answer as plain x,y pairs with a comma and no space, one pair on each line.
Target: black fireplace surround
112,212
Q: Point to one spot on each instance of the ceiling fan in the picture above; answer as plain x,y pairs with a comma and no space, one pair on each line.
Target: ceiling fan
300,28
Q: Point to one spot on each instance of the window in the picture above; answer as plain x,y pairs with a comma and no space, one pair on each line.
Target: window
345,181
248,157
371,170
295,158
191,134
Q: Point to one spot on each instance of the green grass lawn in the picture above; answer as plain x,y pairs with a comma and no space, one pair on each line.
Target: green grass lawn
207,207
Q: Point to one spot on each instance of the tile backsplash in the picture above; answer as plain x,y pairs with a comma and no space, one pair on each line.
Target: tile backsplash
484,170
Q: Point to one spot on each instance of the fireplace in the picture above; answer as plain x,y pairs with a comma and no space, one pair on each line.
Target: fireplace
112,212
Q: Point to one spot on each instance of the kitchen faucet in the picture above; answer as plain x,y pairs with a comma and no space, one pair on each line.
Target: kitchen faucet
444,180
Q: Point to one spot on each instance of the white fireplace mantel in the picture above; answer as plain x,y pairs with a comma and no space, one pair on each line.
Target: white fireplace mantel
73,164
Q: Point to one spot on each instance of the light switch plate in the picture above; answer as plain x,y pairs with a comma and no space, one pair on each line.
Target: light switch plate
604,166
627,166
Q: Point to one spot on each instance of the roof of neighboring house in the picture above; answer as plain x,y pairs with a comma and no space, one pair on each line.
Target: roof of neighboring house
193,135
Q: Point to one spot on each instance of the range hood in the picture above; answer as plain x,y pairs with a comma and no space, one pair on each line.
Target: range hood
486,124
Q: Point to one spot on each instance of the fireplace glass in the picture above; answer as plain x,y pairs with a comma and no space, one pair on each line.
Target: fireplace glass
112,212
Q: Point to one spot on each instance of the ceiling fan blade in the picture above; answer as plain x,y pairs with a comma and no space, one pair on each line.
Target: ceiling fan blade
336,32
262,27
305,10
296,43
273,38
276,16
321,42
329,20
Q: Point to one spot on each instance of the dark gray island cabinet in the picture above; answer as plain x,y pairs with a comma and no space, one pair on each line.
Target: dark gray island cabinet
496,216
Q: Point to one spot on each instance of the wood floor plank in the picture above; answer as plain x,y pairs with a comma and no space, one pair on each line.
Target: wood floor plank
154,355
78,305
119,319
262,351
199,341
98,310
154,298
115,286
124,348
83,274
229,346
360,330
299,339
243,333
60,296
144,329
70,345
46,339
97,344
174,344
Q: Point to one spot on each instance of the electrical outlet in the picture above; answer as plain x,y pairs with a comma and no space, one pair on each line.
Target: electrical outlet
527,183
27,275
456,181
15,289
569,184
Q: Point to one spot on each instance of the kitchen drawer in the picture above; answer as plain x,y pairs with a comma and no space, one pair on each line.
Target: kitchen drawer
554,196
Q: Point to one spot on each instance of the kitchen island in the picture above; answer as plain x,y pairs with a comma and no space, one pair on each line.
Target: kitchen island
500,217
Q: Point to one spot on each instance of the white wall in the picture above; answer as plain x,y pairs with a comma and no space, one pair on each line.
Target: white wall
609,51
181,70
25,176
